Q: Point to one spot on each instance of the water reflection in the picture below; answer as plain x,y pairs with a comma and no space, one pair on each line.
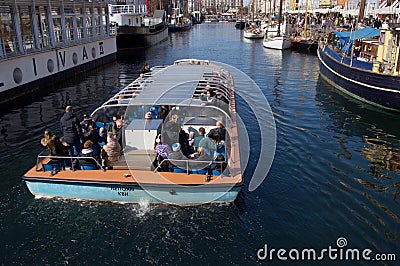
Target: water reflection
368,139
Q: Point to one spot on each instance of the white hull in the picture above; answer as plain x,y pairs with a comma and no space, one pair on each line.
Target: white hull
19,71
57,48
252,35
277,42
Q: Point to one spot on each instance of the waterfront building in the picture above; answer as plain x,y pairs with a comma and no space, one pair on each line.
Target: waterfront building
41,40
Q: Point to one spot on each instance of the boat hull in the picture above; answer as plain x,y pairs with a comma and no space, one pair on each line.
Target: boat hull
140,37
132,192
277,43
305,46
240,24
31,72
179,27
376,89
252,35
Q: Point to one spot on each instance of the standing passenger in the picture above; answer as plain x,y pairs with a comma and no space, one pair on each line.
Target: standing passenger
72,131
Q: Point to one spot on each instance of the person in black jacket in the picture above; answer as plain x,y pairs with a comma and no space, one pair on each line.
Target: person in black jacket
72,131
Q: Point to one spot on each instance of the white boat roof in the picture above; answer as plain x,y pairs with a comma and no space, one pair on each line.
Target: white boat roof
173,85
179,84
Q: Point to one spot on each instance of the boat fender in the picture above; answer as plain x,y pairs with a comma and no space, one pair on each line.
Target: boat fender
381,67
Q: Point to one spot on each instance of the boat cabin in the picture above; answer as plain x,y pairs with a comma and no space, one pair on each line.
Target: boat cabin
177,92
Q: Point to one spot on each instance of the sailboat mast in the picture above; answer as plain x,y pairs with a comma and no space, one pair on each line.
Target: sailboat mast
252,11
280,18
306,20
361,13
265,7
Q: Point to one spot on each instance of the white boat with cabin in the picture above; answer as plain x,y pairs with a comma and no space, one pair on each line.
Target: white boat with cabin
135,28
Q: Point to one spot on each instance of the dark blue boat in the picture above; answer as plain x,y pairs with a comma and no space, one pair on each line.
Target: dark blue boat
367,77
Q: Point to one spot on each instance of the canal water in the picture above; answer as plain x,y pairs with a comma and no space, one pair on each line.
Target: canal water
334,181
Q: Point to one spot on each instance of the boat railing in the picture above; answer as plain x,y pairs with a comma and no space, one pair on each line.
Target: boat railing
123,97
30,43
64,161
188,166
192,62
127,9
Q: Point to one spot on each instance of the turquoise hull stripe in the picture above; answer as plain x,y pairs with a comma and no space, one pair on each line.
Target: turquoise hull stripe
134,194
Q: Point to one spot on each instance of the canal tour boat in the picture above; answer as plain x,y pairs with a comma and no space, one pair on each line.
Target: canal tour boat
177,90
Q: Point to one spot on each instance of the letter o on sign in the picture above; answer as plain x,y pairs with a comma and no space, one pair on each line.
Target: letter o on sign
17,75
50,65
75,58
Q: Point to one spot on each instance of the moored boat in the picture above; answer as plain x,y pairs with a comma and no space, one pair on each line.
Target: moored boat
55,40
304,45
140,174
253,33
240,23
253,30
135,28
364,64
307,42
177,22
279,41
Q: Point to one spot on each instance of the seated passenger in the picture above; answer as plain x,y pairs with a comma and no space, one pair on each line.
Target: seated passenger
87,120
191,143
184,141
53,144
103,134
208,144
201,159
92,135
220,131
164,112
162,152
177,155
198,138
201,155
111,151
209,98
219,164
92,157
